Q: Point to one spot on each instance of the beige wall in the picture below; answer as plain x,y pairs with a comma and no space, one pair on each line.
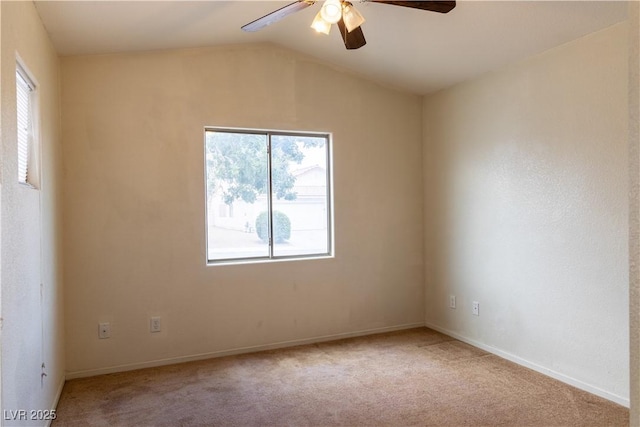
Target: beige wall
526,189
31,225
134,205
634,209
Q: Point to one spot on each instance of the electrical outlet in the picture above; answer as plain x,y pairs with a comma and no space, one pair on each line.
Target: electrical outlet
475,308
104,330
452,301
155,324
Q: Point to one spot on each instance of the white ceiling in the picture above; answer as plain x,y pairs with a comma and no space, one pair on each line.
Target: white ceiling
407,48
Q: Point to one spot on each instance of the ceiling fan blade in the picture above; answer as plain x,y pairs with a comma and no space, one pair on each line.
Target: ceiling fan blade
277,15
354,39
432,6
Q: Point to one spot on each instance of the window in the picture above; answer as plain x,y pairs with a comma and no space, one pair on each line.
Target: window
25,90
268,195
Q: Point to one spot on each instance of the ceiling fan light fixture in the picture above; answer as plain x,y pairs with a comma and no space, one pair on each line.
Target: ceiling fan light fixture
339,11
320,25
352,18
331,11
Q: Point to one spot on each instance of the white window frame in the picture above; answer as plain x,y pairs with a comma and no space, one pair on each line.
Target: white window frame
329,186
27,133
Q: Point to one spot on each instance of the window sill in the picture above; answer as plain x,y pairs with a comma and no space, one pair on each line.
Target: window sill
211,263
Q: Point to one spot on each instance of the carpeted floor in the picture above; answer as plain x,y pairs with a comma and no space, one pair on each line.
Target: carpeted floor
413,377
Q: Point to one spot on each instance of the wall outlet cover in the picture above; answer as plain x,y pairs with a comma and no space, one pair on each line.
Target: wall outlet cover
475,308
155,325
104,330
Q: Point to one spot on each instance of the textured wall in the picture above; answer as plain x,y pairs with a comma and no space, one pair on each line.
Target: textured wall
634,209
526,183
31,225
134,205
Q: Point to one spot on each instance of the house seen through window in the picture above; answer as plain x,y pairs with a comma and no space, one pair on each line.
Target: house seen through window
268,195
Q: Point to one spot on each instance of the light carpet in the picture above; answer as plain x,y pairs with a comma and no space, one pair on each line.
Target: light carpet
412,377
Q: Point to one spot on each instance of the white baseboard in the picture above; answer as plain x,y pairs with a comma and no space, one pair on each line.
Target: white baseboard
538,368
283,344
231,352
56,399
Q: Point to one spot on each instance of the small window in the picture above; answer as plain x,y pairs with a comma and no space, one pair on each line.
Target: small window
25,90
268,195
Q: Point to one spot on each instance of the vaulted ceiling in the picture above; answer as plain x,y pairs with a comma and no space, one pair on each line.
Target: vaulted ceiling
408,48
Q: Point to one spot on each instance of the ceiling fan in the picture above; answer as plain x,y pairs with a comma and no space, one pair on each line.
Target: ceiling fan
344,14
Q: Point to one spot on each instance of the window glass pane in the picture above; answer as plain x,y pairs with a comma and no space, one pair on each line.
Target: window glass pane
23,98
237,182
299,195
